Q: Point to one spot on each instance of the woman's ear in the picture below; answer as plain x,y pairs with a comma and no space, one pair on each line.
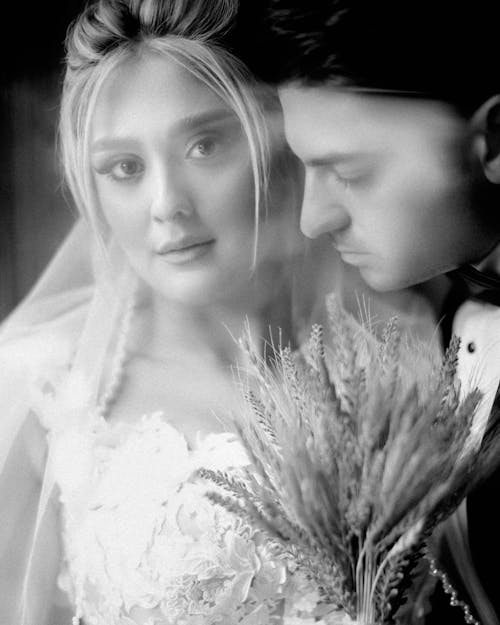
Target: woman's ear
486,125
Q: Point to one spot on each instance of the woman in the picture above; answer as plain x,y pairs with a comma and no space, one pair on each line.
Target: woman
117,369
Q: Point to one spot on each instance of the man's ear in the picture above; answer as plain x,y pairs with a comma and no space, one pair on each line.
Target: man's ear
486,124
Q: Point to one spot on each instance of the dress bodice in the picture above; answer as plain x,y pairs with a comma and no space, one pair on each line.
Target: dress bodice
143,544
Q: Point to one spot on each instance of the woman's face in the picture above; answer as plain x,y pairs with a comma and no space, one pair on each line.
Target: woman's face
174,180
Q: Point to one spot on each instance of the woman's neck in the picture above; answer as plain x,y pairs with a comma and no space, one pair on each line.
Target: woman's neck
165,328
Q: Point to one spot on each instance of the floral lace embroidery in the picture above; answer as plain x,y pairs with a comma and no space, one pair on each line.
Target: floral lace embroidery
142,542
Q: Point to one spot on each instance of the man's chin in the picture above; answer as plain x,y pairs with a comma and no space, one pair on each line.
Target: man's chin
386,282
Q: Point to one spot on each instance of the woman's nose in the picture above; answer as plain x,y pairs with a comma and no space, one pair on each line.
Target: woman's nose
170,195
323,207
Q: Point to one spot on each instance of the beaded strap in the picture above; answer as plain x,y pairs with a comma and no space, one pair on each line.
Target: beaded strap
450,590
119,359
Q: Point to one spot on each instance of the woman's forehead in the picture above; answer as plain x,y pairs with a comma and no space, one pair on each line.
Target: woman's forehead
154,91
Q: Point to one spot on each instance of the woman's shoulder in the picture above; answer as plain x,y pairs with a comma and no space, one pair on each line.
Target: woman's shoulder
33,360
33,351
28,359
27,347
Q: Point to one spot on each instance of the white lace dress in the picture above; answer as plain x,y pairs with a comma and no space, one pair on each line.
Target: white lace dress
143,545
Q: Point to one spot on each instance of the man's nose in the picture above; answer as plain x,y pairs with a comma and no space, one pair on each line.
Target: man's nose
323,206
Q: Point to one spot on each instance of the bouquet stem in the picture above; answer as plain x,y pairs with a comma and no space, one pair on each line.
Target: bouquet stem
365,585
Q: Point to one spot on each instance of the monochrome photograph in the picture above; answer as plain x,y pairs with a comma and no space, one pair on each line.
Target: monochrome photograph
249,313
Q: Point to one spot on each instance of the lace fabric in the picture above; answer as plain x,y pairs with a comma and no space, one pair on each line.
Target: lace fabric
142,542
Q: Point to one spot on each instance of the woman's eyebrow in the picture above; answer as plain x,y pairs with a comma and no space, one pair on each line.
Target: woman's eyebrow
189,123
214,116
113,143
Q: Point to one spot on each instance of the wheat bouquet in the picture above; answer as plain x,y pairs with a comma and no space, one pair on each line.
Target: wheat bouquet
360,447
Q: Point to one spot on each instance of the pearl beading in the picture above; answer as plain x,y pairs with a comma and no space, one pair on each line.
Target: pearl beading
119,359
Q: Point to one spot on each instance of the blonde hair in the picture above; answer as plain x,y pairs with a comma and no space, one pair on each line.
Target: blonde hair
190,32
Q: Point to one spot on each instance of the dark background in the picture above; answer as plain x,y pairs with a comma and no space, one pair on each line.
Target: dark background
34,214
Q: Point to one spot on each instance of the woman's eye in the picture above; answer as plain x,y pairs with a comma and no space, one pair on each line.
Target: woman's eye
126,169
203,148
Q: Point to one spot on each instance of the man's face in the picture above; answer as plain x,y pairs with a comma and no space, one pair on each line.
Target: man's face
388,180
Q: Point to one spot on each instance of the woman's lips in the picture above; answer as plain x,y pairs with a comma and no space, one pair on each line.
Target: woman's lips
184,250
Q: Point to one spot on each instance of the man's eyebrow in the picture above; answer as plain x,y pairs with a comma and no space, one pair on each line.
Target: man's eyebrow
189,123
337,158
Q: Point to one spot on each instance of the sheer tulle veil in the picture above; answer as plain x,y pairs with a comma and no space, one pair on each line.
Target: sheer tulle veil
57,338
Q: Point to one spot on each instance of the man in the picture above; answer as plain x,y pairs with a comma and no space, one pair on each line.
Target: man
394,110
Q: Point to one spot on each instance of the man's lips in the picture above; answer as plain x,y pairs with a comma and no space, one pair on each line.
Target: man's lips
351,255
345,251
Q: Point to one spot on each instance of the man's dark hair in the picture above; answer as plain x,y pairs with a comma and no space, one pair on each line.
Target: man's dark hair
429,48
